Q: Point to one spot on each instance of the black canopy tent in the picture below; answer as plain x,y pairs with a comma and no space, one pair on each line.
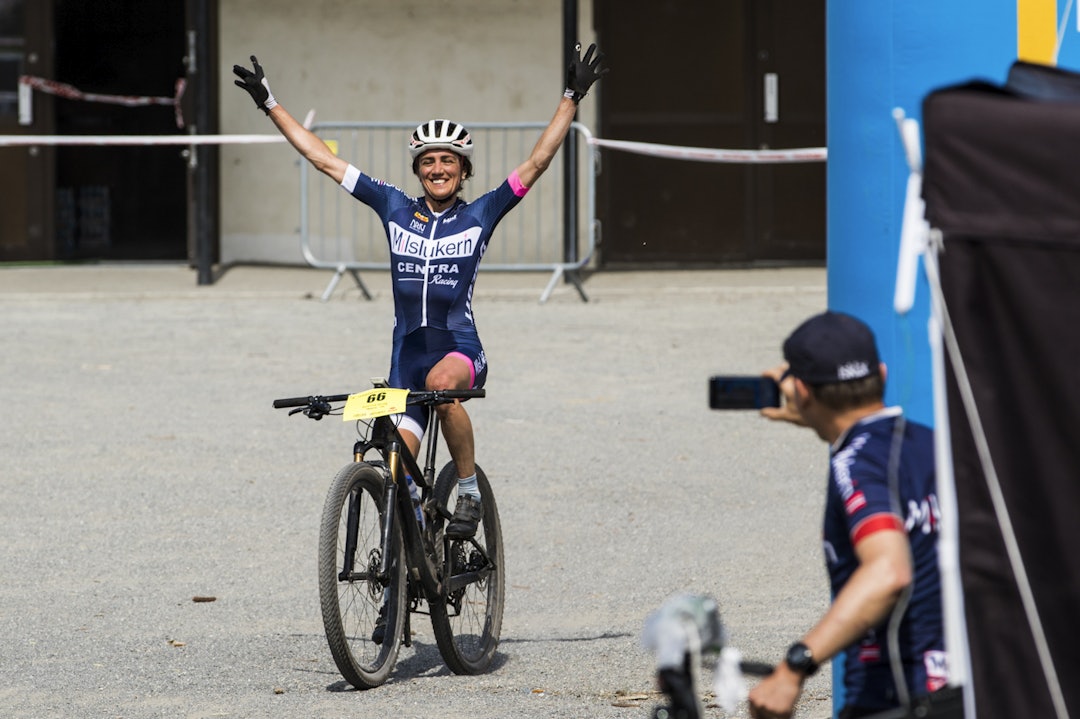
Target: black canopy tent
1002,190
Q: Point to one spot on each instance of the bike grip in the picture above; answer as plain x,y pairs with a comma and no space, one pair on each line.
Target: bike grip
292,402
464,393
756,669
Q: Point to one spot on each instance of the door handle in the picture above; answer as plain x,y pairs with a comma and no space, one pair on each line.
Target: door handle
772,97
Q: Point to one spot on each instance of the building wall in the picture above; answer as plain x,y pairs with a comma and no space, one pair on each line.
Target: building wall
372,60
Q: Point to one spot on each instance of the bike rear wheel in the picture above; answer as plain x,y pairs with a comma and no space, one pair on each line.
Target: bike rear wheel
352,589
468,621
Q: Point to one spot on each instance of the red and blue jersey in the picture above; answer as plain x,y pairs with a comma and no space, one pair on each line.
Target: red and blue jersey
861,502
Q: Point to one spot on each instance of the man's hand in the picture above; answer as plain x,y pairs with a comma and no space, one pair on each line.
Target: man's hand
582,73
788,411
256,84
775,696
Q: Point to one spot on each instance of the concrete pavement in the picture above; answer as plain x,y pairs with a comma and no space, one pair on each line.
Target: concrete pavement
143,466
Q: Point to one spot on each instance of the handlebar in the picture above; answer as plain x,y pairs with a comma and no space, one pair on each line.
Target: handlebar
437,396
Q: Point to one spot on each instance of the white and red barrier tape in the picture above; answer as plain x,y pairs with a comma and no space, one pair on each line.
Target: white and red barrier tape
60,89
809,154
103,140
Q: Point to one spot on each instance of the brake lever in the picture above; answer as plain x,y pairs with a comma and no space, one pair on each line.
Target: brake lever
317,409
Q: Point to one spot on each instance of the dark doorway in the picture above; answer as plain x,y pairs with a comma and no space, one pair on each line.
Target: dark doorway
26,173
120,203
732,74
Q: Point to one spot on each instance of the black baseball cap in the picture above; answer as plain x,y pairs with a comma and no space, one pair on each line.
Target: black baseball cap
831,347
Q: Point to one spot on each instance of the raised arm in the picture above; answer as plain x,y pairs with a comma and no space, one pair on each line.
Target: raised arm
580,76
305,141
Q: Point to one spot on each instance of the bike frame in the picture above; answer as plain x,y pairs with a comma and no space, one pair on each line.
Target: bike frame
387,441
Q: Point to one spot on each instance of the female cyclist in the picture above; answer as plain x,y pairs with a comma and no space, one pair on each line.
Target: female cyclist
436,242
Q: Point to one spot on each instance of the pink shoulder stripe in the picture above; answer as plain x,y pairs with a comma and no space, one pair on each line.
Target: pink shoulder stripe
515,184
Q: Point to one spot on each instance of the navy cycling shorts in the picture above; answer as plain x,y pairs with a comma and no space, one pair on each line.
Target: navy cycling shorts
418,352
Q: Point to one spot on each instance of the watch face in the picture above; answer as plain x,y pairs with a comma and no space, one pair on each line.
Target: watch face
801,659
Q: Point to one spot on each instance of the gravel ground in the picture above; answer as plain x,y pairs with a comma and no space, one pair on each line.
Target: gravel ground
143,466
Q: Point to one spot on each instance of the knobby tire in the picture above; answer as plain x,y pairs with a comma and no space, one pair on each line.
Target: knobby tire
350,606
468,622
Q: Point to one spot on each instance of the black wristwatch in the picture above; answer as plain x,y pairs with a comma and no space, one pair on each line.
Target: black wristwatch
801,659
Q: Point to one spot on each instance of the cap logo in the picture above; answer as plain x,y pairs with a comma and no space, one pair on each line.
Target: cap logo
852,370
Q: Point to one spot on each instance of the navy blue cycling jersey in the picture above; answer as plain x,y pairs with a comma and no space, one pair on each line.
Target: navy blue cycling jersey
859,503
434,259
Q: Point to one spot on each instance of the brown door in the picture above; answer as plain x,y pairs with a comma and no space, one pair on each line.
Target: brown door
26,173
726,74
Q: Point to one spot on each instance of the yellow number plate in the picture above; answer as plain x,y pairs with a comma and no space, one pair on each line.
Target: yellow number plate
377,402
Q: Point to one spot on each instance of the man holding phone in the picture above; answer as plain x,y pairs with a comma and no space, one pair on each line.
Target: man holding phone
880,529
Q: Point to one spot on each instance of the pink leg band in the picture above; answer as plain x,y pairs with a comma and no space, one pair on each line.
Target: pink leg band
466,360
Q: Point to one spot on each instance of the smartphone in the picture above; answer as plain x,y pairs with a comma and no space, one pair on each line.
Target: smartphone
743,392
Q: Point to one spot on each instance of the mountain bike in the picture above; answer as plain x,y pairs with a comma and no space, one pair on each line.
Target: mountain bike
383,551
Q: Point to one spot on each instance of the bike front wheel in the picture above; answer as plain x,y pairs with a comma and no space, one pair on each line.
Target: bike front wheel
355,594
468,620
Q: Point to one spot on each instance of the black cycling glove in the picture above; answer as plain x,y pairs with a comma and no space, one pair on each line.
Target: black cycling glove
256,84
582,73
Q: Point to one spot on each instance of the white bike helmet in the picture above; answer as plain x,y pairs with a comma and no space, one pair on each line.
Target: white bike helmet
440,135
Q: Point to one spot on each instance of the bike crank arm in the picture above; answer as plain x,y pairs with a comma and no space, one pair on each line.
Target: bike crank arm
460,581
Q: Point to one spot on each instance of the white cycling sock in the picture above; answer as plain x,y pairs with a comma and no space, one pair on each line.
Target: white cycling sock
467,485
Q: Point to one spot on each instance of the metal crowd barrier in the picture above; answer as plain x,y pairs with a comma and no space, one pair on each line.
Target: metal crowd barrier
339,233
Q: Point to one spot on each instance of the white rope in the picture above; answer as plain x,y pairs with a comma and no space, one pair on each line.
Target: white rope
23,140
705,154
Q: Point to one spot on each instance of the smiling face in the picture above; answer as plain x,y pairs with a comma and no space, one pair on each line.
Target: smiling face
441,173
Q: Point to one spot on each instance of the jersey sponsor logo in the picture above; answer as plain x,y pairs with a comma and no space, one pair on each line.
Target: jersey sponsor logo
842,462
432,274
870,654
442,280
417,225
936,663
408,243
924,515
480,362
870,648
855,502
421,216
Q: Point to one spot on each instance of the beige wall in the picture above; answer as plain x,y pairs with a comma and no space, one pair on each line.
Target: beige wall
373,60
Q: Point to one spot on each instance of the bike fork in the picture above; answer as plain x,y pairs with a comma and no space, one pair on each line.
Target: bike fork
389,513
348,563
